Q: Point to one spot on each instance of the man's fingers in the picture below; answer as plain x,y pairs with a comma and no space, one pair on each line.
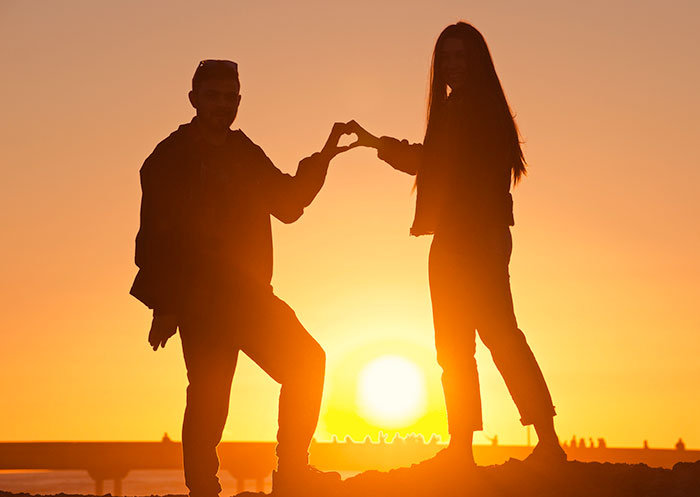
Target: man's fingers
154,341
160,342
340,127
162,328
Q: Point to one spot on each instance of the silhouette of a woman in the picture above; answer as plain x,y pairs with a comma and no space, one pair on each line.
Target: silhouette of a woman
464,168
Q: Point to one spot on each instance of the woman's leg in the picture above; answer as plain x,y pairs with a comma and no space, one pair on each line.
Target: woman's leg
455,344
498,329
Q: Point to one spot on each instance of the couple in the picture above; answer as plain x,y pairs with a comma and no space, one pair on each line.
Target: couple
204,252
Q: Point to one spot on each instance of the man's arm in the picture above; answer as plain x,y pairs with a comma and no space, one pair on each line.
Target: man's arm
156,241
156,247
289,195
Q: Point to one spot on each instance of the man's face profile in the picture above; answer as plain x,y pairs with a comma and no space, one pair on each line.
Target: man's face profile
216,102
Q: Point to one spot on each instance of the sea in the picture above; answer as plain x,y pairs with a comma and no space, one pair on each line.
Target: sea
136,482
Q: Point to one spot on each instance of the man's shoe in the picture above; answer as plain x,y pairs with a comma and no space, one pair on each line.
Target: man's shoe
448,459
305,481
546,455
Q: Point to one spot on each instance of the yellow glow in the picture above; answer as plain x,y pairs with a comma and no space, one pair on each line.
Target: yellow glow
391,391
605,274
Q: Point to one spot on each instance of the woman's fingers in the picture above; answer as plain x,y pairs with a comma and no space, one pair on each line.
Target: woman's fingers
364,137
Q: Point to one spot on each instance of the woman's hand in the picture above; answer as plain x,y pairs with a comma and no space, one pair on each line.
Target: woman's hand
364,137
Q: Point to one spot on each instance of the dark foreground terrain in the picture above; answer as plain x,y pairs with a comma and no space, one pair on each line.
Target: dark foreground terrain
515,478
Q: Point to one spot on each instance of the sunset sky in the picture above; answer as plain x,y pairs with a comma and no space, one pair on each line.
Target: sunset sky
605,270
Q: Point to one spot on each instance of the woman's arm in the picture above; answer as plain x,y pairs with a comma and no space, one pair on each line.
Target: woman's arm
400,155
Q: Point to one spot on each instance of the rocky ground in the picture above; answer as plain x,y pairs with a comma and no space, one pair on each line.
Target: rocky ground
515,478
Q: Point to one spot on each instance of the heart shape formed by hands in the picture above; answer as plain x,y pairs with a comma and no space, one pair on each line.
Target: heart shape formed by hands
348,139
362,138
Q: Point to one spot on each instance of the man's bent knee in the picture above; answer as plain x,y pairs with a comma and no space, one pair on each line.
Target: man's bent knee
316,358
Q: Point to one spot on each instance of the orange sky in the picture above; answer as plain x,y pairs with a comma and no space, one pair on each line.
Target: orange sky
605,269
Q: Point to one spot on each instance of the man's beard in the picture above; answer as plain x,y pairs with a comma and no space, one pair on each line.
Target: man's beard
220,122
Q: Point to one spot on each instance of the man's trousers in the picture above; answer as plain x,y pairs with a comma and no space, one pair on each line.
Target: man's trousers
266,330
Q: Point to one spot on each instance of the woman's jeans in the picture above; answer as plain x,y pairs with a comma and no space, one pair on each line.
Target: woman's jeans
470,290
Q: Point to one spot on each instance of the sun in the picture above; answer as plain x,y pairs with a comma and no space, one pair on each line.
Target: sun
391,392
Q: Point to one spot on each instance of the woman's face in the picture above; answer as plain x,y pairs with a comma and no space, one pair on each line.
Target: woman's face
453,63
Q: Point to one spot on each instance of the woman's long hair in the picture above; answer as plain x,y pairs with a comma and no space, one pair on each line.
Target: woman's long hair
482,87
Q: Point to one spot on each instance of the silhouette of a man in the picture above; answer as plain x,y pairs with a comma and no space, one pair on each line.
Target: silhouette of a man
204,252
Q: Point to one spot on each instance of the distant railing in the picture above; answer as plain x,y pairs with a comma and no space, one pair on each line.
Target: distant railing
256,460
113,460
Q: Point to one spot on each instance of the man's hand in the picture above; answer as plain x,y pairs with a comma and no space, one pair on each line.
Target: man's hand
162,328
331,148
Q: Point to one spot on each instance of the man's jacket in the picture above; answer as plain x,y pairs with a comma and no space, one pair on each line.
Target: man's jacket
205,215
